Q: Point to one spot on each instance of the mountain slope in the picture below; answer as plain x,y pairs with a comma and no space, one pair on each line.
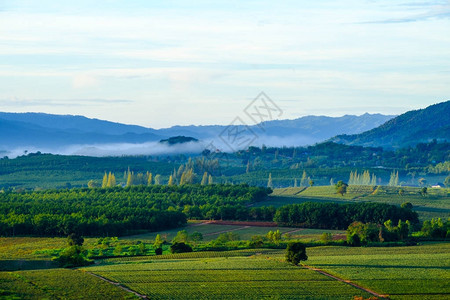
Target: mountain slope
408,129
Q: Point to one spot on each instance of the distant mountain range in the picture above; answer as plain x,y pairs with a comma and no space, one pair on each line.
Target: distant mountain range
35,131
67,134
408,129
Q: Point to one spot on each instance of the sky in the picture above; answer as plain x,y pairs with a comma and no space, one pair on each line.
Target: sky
163,63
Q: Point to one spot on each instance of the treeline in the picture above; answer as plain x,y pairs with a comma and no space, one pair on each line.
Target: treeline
119,211
340,216
115,211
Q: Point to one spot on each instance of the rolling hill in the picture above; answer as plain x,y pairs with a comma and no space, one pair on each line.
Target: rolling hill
408,129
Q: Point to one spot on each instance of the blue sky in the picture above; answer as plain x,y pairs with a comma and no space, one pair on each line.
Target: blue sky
161,63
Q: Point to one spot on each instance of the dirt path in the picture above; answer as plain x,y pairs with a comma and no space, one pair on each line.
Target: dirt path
347,282
119,285
225,231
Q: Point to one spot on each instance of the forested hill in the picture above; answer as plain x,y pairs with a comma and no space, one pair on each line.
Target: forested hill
408,129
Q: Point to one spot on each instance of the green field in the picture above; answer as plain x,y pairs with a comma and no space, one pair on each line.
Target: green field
436,203
251,277
57,284
418,272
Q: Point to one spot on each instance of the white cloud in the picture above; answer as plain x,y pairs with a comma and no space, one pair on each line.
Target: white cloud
175,59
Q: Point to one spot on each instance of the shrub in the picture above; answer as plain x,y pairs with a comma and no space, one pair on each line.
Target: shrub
73,257
354,240
158,251
180,248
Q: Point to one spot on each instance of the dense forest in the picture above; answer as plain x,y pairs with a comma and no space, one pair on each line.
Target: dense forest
120,211
340,216
116,211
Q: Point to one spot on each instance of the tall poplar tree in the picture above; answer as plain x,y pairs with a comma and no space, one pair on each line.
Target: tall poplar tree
204,178
105,180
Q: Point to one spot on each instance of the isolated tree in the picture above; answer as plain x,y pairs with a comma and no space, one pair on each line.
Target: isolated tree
401,192
269,181
296,252
341,188
311,182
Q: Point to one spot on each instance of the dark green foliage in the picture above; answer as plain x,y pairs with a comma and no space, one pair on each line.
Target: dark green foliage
296,252
117,211
353,240
158,251
75,240
73,257
407,205
341,187
180,248
179,140
436,228
340,216
364,233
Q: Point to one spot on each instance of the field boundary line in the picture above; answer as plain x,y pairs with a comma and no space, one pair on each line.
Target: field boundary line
346,281
295,230
118,285
225,231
